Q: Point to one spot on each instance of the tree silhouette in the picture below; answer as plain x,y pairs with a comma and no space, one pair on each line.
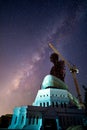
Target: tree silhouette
5,120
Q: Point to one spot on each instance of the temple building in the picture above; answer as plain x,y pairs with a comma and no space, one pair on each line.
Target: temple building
53,108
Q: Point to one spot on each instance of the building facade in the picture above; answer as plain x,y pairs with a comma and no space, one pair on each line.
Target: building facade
54,108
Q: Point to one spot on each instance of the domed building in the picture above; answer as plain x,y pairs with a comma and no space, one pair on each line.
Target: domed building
54,107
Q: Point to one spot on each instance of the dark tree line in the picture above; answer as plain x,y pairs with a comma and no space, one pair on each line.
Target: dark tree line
5,120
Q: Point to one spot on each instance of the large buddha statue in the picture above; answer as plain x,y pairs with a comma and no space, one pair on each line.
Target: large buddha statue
57,74
58,69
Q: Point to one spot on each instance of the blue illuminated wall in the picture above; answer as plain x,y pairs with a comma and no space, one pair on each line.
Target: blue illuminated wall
50,103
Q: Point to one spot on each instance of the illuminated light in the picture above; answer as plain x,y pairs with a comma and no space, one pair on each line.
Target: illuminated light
77,71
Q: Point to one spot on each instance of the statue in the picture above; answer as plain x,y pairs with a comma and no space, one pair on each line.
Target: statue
58,69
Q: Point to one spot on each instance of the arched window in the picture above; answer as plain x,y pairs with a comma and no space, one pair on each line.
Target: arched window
37,120
53,104
44,104
15,119
65,105
40,104
47,104
56,104
33,119
30,120
61,104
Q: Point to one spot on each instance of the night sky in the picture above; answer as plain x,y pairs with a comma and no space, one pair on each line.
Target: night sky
26,28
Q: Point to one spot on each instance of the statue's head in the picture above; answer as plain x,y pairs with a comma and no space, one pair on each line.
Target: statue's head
54,57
